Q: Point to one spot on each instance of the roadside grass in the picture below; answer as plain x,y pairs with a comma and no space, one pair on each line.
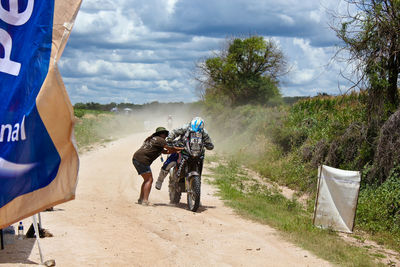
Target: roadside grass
78,112
93,127
270,207
211,158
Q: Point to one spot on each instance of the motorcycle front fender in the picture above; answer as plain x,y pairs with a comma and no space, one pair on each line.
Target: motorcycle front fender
193,173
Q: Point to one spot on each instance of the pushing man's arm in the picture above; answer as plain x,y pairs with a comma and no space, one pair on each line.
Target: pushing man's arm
178,132
171,149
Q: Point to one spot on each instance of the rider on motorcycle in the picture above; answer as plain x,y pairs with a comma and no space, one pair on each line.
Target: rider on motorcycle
181,134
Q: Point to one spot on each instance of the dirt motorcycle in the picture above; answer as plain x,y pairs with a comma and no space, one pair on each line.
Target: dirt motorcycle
185,177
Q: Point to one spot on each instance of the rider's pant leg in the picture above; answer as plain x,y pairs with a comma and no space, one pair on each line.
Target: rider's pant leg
163,173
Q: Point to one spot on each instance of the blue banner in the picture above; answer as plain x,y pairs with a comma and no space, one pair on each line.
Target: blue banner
28,157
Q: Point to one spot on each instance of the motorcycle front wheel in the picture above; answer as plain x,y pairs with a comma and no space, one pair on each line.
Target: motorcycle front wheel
193,194
174,191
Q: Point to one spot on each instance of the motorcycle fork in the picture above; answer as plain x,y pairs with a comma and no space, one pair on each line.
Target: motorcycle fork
189,179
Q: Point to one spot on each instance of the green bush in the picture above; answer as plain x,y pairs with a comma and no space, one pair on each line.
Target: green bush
79,112
379,206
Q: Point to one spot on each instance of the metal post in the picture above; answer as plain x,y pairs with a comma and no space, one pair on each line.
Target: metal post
35,226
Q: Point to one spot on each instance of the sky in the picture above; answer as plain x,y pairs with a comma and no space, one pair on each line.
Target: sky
140,51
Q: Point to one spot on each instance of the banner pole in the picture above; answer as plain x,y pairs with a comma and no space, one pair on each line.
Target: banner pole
355,211
35,226
2,241
40,221
318,186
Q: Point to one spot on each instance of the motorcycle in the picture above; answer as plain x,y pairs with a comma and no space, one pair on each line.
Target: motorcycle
185,177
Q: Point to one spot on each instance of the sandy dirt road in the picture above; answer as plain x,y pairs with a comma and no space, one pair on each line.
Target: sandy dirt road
104,226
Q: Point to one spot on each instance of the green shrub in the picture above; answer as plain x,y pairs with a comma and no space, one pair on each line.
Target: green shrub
387,149
79,112
379,206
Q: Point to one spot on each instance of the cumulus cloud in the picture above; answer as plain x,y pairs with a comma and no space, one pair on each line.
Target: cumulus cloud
145,50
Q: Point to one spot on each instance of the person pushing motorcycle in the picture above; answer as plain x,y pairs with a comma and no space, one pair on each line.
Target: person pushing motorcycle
152,148
179,135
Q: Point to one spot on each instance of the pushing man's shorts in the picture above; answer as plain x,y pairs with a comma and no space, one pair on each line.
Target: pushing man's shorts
140,167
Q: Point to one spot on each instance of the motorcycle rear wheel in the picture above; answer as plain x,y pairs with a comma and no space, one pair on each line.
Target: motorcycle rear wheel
193,196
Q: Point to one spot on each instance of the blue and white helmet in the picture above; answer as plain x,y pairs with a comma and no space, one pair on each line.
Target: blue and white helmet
197,124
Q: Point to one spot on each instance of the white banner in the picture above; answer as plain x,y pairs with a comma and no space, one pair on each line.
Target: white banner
337,197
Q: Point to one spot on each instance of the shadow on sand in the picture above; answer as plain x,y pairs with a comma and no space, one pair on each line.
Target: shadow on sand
18,251
184,206
53,210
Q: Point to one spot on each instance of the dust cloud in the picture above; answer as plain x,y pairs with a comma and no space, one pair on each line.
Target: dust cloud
94,128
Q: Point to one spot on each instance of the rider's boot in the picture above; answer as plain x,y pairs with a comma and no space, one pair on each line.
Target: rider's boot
161,177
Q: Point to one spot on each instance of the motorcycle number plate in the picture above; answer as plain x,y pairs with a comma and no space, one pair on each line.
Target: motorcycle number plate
195,138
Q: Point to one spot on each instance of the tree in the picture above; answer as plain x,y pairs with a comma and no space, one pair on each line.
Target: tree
372,37
247,71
